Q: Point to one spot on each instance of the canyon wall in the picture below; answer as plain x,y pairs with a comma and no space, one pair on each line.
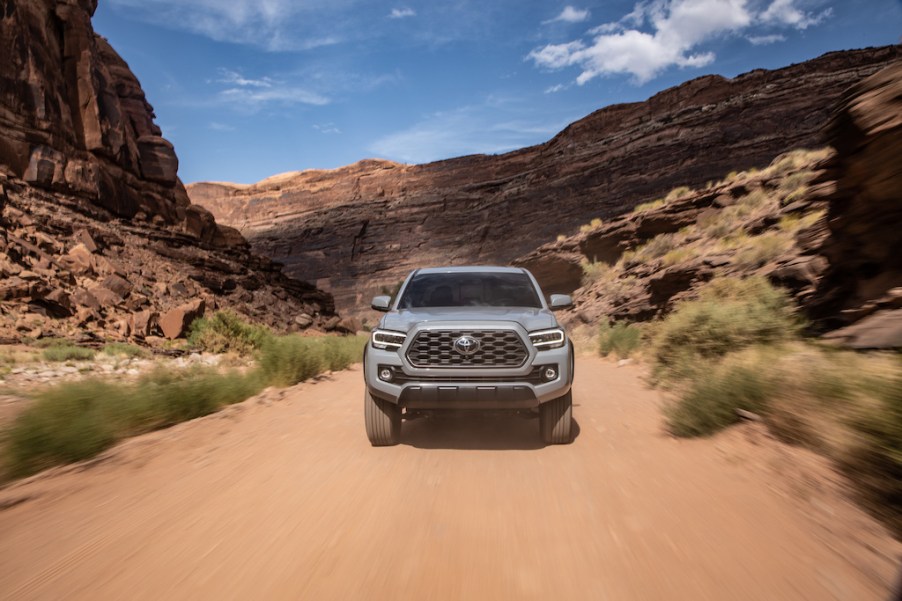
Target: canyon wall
359,229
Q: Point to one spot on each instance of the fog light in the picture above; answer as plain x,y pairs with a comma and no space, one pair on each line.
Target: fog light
385,374
550,374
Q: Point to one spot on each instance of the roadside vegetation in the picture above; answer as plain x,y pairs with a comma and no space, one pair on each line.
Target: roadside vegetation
736,347
738,351
76,421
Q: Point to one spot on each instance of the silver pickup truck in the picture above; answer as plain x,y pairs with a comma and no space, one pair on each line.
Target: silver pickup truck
472,338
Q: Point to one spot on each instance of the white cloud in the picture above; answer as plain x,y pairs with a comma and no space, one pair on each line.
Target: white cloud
784,12
217,126
271,24
326,128
236,78
763,40
556,88
571,15
401,13
474,129
659,34
255,98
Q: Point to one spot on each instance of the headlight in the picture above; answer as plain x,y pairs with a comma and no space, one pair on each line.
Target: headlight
547,339
387,340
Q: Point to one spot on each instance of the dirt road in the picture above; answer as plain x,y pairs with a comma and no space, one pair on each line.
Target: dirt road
283,498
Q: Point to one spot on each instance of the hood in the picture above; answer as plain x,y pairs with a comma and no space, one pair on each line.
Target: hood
530,319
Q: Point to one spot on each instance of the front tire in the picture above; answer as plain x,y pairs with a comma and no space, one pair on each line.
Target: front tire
556,419
383,421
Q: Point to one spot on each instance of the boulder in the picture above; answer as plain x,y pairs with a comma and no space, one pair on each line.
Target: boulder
175,322
117,284
144,323
881,330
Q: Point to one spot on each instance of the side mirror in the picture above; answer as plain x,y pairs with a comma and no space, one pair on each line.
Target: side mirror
381,303
560,301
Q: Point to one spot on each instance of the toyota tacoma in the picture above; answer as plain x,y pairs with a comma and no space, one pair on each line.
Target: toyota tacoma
468,338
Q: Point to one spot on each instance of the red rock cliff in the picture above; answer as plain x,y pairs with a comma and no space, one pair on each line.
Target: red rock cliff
98,238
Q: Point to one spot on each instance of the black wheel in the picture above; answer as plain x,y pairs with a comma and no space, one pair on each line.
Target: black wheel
383,421
555,419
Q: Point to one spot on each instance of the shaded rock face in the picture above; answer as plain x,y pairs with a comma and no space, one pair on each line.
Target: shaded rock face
636,267
362,228
98,238
74,119
863,283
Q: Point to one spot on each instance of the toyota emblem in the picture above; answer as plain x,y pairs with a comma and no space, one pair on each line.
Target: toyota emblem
466,345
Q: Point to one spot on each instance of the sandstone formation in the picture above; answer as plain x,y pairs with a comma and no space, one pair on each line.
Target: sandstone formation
97,235
360,229
636,266
863,284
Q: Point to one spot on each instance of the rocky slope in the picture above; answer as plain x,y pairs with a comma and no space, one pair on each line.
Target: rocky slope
636,266
823,224
360,229
97,234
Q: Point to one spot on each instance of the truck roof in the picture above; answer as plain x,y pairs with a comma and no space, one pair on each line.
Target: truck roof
471,269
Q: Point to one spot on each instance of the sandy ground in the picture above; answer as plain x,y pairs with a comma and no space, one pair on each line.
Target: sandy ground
282,497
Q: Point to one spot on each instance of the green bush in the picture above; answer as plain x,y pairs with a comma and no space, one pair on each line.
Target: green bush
710,400
762,249
729,314
648,206
225,331
676,193
67,352
875,462
620,339
75,421
124,349
594,271
287,360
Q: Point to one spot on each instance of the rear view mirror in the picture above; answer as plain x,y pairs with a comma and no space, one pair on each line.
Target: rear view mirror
381,303
560,301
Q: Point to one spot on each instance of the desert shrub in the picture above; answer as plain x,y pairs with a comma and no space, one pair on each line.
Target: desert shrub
75,421
64,425
594,271
648,206
875,461
679,255
124,349
225,331
676,193
655,248
759,250
591,226
67,352
620,339
339,352
710,401
78,420
729,314
287,360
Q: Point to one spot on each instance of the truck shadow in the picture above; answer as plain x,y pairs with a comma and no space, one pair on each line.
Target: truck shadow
476,432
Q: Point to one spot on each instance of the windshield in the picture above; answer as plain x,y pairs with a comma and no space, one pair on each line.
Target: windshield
470,290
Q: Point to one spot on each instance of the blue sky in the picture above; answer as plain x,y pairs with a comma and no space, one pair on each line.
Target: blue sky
249,88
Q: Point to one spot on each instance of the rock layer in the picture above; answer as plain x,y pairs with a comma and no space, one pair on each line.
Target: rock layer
863,282
360,229
98,237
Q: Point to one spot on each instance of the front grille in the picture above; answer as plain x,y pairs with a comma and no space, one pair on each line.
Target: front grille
497,348
533,377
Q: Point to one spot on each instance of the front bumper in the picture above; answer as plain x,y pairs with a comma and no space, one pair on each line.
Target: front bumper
468,388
